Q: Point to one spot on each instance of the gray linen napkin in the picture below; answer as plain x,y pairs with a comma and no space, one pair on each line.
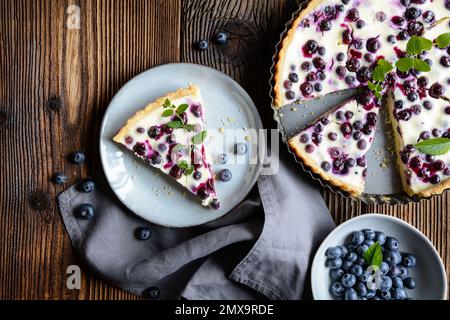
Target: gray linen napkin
261,249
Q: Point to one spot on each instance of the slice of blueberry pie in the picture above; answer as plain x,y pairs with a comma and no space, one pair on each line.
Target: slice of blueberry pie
334,146
169,134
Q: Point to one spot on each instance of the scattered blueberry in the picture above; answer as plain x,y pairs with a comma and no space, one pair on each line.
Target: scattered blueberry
77,157
142,233
221,38
60,178
197,175
223,158
240,148
87,185
409,283
409,261
225,175
202,45
85,211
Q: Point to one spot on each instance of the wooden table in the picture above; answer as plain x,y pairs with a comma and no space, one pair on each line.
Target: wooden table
56,82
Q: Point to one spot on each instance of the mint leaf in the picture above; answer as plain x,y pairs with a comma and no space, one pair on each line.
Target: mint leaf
418,44
420,65
189,127
371,86
199,137
374,256
443,41
175,124
183,164
434,147
383,67
182,108
167,113
167,103
405,64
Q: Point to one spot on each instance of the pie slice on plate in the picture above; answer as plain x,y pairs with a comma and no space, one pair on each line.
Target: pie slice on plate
169,135
334,146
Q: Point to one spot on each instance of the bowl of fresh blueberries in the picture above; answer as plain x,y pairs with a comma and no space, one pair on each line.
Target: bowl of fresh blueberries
377,257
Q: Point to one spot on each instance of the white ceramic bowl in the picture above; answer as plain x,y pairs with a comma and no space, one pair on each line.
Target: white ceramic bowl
429,273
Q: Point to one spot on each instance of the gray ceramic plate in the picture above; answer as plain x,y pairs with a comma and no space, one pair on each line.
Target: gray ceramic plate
429,272
157,198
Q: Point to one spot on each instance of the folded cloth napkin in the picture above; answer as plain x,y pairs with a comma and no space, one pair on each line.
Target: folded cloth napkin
261,249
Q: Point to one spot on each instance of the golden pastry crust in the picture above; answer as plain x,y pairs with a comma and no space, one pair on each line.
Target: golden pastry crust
191,90
353,190
278,94
437,189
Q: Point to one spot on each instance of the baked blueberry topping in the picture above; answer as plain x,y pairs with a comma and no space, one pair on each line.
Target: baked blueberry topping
332,136
346,129
306,89
304,138
403,35
318,87
361,162
321,75
215,204
445,61
287,84
319,63
403,115
290,95
399,104
439,165
391,39
357,135
447,110
330,11
436,132
436,90
428,16
326,166
176,172
353,14
373,45
398,20
347,36
435,179
156,159
425,135
203,193
310,47
293,77
140,149
353,64
325,25
306,66
197,175
405,3
349,79
341,71
360,24
412,13
363,74
380,16
309,148
196,110
140,130
154,132
128,140
321,51
311,77
362,144
340,56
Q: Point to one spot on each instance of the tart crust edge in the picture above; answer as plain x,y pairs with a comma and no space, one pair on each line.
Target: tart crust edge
191,90
283,48
353,190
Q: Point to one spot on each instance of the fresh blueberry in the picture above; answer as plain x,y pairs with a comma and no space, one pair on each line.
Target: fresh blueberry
352,257
384,268
396,282
369,234
386,283
409,283
399,294
162,147
380,237
360,261
385,295
337,289
333,263
403,274
357,237
222,158
361,289
370,293
87,185
344,251
85,211
362,249
225,175
356,269
350,294
240,148
333,252
393,272
348,280
392,258
336,274
364,277
392,243
197,175
368,243
60,178
346,265
409,260
221,38
202,45
142,233
77,157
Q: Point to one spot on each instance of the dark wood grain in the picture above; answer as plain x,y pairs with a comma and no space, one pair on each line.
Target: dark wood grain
55,84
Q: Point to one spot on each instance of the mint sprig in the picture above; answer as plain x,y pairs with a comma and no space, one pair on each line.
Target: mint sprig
443,41
379,73
374,256
172,110
434,147
415,46
188,169
199,137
